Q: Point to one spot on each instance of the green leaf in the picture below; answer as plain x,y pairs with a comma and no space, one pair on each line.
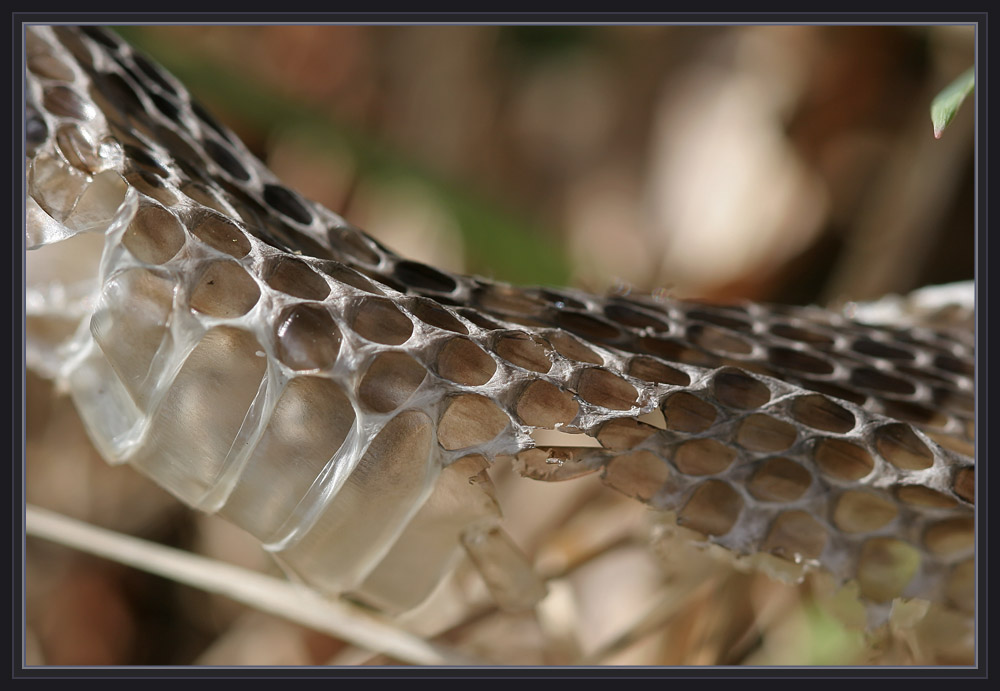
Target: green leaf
947,103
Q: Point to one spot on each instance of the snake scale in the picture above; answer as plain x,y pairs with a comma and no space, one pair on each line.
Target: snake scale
261,358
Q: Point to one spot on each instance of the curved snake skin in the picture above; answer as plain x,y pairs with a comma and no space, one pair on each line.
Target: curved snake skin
261,358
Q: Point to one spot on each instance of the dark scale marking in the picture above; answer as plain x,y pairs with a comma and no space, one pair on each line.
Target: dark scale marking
119,92
154,74
634,317
421,276
146,160
287,203
163,104
226,160
35,130
103,37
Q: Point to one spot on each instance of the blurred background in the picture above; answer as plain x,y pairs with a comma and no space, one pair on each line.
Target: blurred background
769,162
788,164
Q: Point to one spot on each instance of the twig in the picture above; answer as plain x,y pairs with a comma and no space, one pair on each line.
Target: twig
264,593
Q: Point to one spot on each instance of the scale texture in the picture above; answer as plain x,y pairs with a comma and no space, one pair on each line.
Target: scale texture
261,358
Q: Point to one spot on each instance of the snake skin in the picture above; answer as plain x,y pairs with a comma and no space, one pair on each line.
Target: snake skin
259,357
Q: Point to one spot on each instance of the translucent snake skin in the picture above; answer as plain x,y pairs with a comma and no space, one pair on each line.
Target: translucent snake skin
261,358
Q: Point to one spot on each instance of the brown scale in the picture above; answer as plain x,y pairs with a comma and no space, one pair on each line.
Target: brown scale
264,359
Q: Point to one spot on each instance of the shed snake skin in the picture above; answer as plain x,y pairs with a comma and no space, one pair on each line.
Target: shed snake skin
261,358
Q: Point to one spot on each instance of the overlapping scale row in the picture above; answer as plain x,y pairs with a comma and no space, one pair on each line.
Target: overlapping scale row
261,358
